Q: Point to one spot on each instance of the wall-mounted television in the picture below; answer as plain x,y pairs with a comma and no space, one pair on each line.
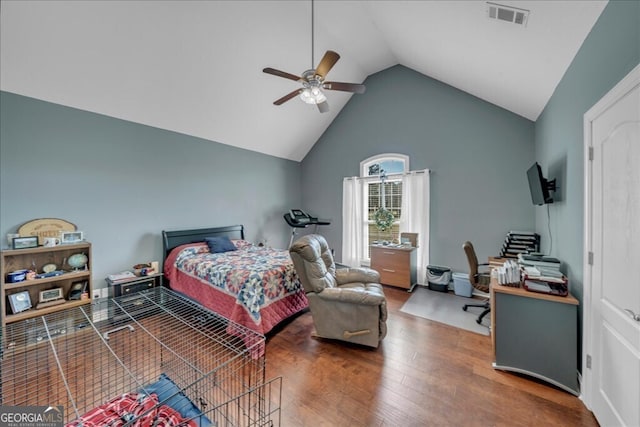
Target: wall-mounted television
539,187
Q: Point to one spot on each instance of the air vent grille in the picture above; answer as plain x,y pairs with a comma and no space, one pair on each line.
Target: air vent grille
501,12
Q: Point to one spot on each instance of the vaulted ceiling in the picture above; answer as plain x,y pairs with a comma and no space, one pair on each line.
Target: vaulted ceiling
195,67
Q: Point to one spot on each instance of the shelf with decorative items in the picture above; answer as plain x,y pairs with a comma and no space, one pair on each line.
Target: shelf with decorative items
42,280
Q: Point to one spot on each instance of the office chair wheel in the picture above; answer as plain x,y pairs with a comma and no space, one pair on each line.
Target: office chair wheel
464,307
484,313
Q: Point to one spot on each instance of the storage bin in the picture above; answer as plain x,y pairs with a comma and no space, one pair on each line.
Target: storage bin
438,278
461,285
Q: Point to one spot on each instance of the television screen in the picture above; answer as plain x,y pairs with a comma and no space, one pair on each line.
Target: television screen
538,186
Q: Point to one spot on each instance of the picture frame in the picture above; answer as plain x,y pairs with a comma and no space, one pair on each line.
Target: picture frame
25,242
77,290
409,239
50,295
67,237
20,301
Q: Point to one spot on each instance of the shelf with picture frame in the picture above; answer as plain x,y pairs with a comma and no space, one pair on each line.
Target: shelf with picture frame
47,269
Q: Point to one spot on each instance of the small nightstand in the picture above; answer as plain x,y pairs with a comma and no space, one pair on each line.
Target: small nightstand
130,302
133,285
396,265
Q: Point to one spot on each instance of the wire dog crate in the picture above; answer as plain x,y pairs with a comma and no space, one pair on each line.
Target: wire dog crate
152,343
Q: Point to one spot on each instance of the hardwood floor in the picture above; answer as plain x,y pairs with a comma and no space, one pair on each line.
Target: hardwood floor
423,374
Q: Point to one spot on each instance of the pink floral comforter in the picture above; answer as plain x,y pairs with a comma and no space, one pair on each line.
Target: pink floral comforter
256,287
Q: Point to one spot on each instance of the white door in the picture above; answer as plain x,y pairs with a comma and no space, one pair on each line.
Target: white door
612,320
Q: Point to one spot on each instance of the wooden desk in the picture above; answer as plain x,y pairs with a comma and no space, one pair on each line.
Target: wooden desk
535,334
396,265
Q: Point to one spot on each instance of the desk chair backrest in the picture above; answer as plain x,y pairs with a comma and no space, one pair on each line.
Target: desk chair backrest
478,281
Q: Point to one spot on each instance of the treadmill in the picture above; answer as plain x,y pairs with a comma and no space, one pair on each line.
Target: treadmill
297,218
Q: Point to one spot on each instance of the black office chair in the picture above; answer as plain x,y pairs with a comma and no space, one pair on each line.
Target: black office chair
479,280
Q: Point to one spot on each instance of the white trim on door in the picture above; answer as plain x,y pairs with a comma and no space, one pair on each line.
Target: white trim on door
619,90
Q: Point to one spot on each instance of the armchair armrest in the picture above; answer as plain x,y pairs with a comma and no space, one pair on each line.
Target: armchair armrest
359,296
357,274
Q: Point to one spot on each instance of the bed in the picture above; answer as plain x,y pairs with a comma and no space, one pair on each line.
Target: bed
252,285
150,358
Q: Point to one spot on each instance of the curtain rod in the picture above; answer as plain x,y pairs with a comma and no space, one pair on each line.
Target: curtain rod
427,171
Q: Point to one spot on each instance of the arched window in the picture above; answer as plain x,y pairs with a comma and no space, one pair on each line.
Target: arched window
382,189
386,184
391,163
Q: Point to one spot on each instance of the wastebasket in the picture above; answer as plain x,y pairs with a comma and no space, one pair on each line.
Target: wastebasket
461,285
438,278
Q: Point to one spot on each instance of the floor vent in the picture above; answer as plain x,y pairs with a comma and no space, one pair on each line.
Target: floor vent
507,13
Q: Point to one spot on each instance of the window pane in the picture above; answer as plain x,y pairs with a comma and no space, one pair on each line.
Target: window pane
390,166
392,198
375,235
393,202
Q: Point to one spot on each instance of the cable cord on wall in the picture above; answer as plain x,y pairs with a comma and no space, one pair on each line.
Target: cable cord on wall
549,228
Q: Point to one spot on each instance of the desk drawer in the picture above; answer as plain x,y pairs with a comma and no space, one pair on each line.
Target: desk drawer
393,265
137,287
394,278
120,289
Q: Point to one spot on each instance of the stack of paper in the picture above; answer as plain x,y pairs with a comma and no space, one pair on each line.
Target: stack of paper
541,268
537,286
123,275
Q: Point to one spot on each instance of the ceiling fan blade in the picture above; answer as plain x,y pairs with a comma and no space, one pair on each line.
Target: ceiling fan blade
326,63
288,97
345,87
281,74
323,107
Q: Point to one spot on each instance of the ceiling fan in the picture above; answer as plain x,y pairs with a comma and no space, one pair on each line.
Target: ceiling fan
313,80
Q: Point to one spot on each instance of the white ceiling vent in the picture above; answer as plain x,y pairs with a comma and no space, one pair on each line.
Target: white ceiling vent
507,13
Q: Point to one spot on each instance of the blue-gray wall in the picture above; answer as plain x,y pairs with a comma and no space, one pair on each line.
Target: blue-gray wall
123,183
610,51
477,153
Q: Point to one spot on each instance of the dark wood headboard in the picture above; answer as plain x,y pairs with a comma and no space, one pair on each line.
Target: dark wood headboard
171,239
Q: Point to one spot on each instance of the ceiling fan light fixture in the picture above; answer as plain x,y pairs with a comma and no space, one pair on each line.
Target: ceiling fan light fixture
313,95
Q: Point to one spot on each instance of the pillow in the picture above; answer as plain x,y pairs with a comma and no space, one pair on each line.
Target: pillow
220,244
169,394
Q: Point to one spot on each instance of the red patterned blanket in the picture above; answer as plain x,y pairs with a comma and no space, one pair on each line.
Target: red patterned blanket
256,287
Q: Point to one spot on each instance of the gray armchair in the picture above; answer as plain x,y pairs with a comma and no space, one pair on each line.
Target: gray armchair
346,304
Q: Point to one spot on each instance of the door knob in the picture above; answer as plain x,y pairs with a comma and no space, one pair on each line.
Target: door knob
634,316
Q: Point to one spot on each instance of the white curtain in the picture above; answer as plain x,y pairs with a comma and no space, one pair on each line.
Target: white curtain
352,237
415,214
